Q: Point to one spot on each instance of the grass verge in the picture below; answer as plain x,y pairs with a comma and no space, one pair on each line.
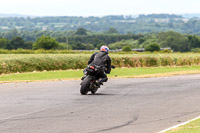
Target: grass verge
116,73
191,127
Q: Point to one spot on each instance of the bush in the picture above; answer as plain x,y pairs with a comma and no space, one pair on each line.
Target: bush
45,42
168,51
62,46
126,48
4,43
119,45
196,50
152,47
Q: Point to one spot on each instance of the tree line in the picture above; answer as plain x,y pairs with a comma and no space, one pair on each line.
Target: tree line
82,39
123,24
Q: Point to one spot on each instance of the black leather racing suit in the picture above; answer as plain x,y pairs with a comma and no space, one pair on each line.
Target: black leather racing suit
101,59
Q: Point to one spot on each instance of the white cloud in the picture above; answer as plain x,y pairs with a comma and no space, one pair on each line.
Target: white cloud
98,7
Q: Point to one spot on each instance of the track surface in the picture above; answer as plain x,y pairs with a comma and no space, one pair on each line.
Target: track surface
145,105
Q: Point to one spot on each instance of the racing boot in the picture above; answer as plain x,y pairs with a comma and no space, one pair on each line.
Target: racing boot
99,83
83,77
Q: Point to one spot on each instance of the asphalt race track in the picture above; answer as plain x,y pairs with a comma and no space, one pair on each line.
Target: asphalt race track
146,105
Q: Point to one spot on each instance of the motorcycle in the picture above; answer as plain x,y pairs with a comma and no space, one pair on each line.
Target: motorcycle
90,81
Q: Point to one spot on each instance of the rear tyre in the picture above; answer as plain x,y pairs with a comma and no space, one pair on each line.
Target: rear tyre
85,85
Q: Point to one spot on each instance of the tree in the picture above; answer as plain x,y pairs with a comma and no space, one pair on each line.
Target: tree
45,42
88,46
82,46
152,47
64,46
194,41
126,48
112,31
174,40
28,45
15,43
100,44
81,31
78,46
119,45
3,43
11,34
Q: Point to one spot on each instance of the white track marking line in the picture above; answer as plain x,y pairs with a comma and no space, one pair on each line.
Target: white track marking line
179,125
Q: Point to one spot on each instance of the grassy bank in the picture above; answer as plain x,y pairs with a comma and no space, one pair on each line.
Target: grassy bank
192,127
116,73
13,63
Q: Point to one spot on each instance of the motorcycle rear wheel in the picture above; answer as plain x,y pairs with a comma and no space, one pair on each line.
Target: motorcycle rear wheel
85,85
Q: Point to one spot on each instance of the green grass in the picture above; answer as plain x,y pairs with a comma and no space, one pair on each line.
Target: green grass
151,70
192,127
118,72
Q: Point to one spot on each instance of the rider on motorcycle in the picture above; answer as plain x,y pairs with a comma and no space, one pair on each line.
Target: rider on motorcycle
101,59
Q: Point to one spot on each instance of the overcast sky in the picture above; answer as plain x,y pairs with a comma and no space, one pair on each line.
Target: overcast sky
97,7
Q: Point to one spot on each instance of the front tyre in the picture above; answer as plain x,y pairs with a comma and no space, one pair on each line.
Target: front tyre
85,85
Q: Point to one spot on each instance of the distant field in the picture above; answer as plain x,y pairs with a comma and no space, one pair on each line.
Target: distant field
13,63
